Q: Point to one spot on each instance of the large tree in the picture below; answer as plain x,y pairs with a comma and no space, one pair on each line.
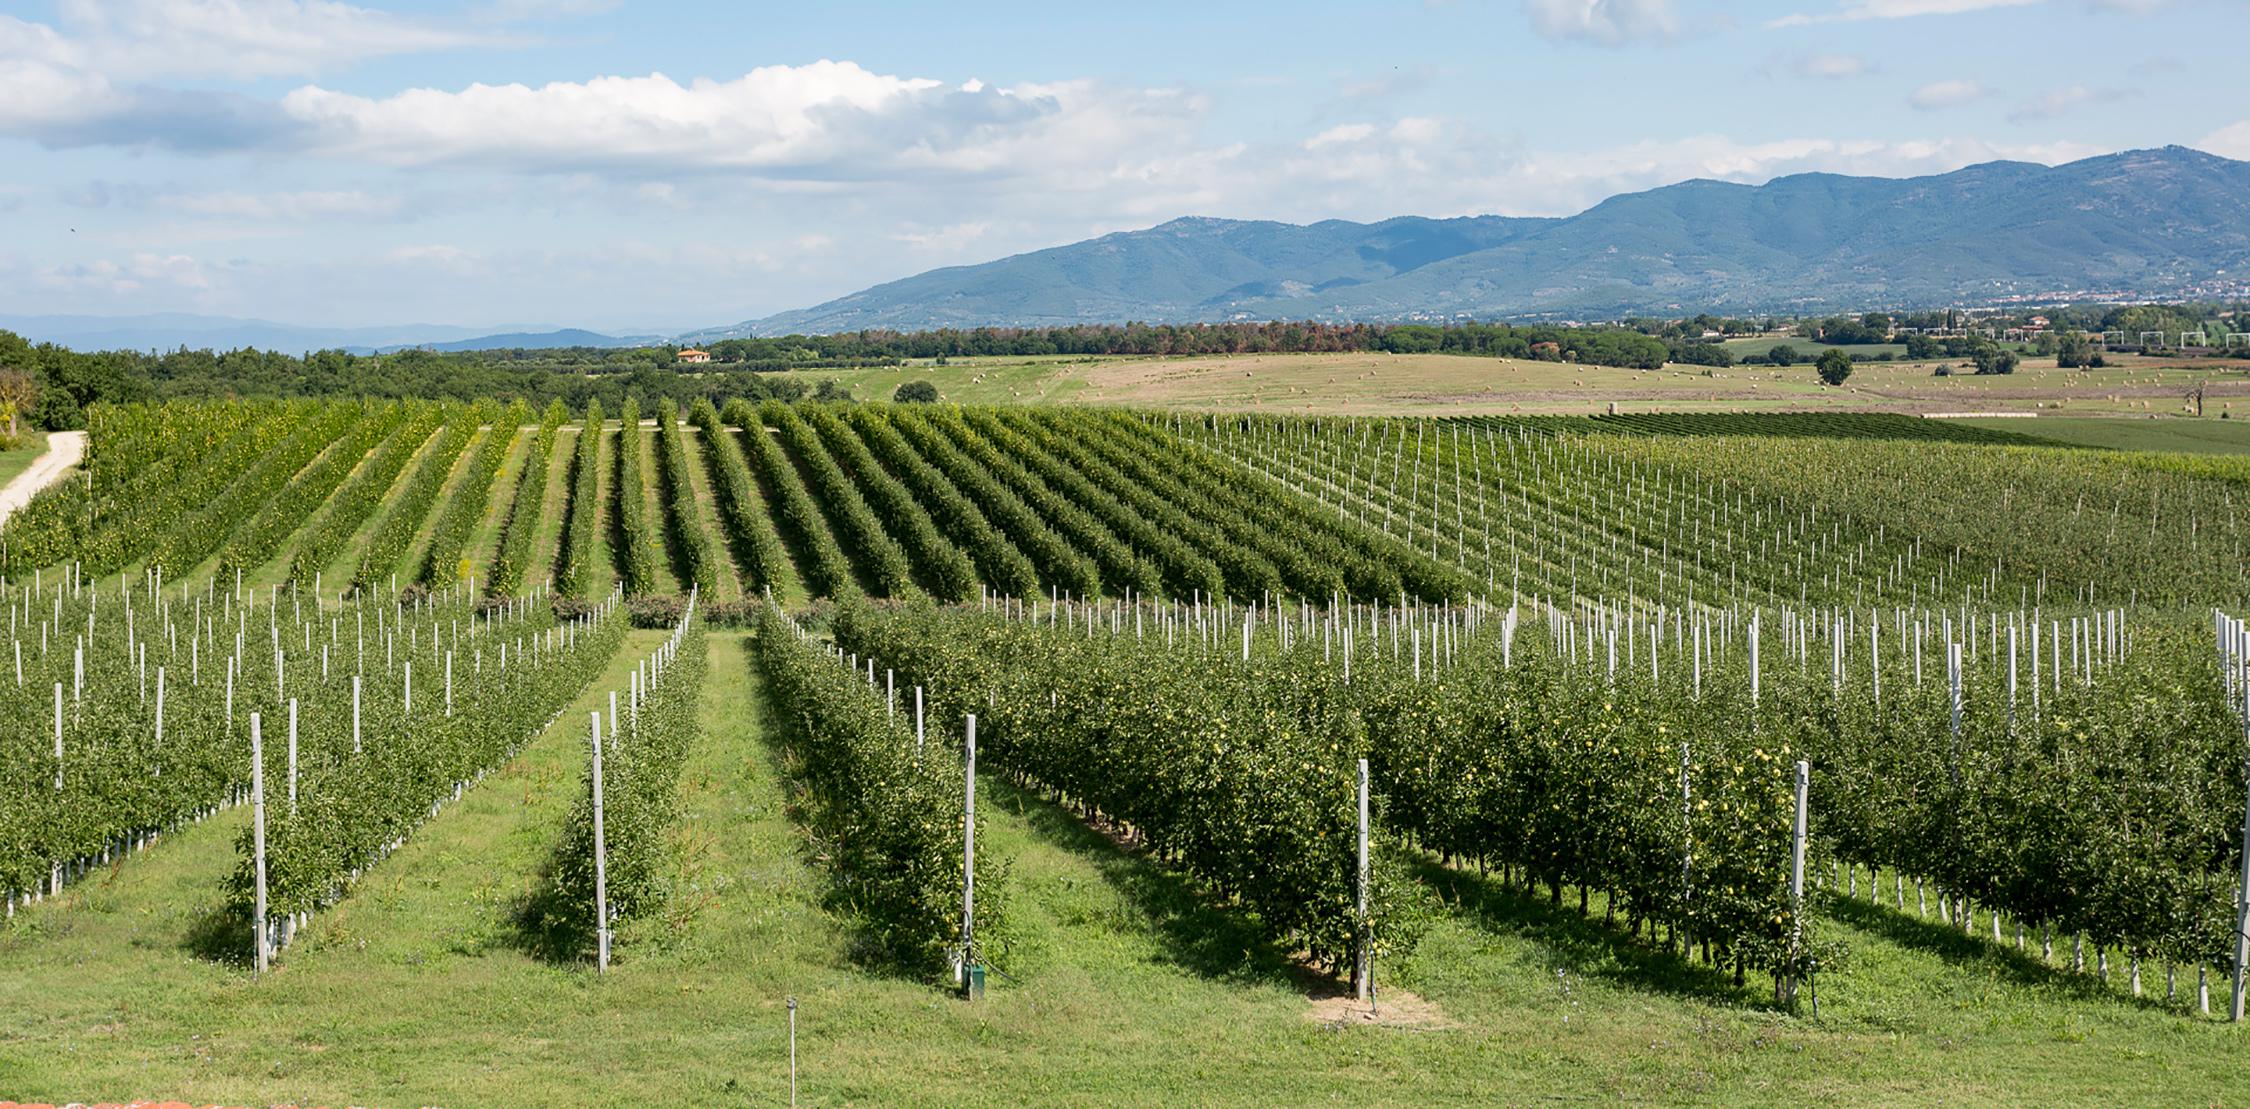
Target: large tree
1834,366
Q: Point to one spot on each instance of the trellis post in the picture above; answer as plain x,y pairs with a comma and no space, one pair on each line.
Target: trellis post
258,832
1363,980
601,860
972,974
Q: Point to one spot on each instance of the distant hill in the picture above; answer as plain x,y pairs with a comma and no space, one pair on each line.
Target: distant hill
535,340
168,331
2168,222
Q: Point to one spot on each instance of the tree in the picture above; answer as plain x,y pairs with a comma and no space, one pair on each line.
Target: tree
1834,366
830,390
58,411
1782,355
1990,359
18,392
916,392
2075,351
1921,346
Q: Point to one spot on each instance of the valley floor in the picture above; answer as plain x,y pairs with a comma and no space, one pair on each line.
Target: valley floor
1121,984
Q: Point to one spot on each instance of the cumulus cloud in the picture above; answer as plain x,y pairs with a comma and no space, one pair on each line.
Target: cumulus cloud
1938,95
823,122
1604,22
90,77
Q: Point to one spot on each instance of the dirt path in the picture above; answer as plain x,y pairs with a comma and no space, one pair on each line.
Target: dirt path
64,449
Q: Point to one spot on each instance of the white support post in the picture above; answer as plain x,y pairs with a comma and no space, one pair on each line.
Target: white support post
355,713
258,833
1797,883
292,756
969,852
601,860
2242,922
1363,978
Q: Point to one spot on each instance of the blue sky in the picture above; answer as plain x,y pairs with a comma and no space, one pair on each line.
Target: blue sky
666,166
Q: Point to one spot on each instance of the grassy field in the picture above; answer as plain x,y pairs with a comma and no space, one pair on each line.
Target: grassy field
1808,349
2192,436
1123,984
18,460
1375,384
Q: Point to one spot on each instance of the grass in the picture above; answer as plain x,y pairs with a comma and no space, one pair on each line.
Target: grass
20,459
546,539
2184,434
1394,384
1808,349
706,510
1125,985
667,580
484,539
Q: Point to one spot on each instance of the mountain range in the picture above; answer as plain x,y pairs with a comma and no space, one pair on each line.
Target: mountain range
2157,223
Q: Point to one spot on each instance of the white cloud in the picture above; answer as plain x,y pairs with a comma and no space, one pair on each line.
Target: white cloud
1939,95
947,240
288,206
2065,99
141,271
1830,66
1604,22
144,39
1341,133
825,122
1461,172
1857,10
2231,141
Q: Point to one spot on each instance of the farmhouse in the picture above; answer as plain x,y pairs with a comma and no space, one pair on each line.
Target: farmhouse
695,356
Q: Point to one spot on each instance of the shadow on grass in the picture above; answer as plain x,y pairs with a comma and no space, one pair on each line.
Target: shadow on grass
1959,948
547,927
1584,942
220,935
1199,936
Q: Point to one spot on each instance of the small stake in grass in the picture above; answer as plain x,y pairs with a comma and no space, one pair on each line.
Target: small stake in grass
792,1051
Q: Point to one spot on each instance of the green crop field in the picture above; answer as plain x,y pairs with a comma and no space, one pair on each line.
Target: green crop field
1321,753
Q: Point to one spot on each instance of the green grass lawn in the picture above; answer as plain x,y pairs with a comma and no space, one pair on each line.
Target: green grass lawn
2194,436
18,460
1124,986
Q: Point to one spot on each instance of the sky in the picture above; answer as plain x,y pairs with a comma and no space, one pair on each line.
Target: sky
658,167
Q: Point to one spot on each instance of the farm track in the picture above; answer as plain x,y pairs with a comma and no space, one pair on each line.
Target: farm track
64,450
